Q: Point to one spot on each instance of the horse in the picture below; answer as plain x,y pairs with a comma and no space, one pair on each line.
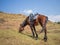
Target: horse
41,19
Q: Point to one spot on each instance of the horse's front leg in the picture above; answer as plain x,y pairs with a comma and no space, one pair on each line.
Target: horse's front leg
32,31
35,32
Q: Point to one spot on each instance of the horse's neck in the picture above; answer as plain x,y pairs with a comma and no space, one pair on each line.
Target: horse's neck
24,23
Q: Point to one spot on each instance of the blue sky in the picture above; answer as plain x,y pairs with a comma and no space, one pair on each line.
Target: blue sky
46,7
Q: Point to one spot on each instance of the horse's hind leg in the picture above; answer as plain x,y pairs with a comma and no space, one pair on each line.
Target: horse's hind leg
43,24
42,28
45,31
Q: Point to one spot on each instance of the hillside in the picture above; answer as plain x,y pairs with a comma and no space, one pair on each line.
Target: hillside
9,21
9,35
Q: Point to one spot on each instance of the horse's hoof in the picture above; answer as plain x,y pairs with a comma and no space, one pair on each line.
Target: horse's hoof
45,39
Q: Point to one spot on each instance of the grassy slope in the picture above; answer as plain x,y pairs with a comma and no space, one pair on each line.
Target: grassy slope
9,32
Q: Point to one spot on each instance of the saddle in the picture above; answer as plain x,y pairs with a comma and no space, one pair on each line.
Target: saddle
33,18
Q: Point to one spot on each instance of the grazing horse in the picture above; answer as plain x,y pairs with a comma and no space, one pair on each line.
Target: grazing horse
41,19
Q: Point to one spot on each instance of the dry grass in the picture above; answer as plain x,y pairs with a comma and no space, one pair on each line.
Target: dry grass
9,32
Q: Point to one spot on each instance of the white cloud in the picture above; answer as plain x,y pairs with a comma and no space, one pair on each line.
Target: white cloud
54,18
28,11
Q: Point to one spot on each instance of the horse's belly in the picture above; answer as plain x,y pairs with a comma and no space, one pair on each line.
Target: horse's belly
36,23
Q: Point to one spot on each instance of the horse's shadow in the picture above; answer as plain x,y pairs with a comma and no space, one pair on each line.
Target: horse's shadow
30,36
27,35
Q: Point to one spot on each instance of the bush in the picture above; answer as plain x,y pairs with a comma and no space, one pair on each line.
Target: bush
1,12
58,22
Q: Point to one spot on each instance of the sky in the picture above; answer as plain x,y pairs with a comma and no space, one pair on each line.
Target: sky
50,8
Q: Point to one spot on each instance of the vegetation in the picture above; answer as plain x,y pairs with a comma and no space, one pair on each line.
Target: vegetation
9,34
58,22
1,12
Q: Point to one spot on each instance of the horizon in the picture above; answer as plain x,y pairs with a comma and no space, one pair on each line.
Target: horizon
50,8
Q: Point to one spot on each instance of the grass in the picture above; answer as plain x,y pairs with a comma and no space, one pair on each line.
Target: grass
12,37
9,34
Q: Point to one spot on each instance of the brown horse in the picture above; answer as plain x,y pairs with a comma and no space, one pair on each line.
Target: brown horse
41,19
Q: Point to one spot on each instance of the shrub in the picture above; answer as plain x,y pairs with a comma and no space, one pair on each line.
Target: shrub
58,22
1,12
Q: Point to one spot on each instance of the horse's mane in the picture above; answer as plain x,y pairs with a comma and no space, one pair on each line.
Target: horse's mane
23,23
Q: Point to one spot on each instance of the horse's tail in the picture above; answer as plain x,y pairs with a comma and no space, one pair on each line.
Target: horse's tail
46,19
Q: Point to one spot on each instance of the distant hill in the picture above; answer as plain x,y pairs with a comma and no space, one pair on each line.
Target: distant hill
10,20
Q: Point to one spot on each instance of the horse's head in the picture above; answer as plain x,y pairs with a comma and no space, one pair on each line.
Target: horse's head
21,28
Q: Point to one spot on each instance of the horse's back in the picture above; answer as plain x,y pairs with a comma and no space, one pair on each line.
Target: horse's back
42,18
